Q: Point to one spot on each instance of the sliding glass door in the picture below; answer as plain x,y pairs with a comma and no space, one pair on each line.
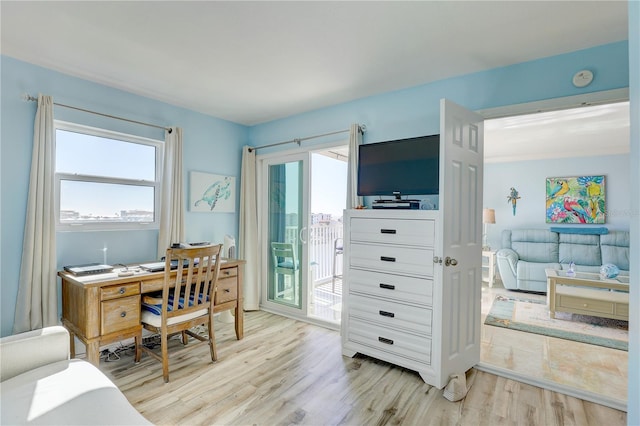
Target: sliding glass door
302,199
286,218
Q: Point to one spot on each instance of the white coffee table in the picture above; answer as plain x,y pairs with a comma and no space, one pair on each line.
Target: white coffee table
587,294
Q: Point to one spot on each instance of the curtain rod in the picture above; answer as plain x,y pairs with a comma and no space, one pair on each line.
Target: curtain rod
361,128
168,129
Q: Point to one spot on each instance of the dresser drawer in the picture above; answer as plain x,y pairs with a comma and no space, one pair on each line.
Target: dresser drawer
122,290
227,290
392,259
393,231
120,314
390,314
398,287
385,339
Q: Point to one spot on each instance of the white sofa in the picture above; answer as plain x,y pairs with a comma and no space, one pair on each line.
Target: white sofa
41,385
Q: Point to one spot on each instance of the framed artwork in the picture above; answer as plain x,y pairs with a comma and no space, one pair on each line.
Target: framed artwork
579,199
212,193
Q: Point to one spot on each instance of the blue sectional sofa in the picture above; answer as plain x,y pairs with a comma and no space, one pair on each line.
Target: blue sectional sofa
526,253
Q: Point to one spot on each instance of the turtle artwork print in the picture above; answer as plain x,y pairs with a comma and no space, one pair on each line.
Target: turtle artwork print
212,193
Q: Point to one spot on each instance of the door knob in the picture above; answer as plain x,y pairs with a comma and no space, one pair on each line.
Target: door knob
450,262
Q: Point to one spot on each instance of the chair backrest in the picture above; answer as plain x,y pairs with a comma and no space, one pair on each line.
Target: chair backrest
190,286
284,256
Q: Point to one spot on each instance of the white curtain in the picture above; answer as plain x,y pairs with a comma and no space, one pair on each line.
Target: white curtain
37,302
355,140
172,198
248,249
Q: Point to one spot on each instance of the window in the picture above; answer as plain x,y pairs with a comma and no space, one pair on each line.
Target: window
106,180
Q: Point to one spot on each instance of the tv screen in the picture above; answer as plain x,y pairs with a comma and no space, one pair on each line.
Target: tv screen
400,167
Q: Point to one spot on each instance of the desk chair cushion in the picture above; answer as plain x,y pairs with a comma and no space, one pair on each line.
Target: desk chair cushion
151,318
151,311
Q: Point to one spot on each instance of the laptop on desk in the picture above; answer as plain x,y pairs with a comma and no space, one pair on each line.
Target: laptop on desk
159,266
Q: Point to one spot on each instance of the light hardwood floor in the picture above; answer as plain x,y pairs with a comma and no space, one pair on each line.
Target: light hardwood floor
289,372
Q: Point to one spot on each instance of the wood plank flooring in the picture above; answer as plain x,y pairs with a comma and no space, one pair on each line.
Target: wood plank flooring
289,372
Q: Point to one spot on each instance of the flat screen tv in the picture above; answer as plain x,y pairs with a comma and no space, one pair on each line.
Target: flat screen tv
400,167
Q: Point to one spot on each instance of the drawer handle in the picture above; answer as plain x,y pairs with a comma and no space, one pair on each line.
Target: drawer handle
387,231
385,340
387,314
227,273
227,290
387,259
122,290
123,314
388,286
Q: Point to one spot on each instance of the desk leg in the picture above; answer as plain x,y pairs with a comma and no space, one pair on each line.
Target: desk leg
93,352
72,345
239,321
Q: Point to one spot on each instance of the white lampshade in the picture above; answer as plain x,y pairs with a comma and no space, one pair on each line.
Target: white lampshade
488,216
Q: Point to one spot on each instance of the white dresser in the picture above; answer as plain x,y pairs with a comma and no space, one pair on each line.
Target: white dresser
392,300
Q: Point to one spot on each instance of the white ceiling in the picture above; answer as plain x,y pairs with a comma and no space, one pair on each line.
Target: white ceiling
252,62
579,132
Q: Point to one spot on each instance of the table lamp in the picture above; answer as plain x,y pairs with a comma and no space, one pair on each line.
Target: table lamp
488,216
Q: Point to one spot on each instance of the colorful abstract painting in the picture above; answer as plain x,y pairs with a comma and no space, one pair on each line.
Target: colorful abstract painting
576,199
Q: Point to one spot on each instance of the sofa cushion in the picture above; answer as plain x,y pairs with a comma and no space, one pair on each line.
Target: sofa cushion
531,275
70,392
580,249
615,249
535,245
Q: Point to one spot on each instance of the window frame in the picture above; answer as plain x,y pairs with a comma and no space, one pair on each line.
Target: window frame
125,137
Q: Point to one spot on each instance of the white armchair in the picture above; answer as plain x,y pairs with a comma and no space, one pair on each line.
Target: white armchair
41,385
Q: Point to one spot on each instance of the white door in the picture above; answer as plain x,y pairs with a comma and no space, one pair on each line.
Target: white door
460,235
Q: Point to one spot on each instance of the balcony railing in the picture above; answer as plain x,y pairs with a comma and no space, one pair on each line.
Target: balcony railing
321,240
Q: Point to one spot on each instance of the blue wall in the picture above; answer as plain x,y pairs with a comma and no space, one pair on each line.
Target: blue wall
529,178
210,145
214,145
415,111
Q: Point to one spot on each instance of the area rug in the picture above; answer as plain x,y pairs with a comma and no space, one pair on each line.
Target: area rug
532,316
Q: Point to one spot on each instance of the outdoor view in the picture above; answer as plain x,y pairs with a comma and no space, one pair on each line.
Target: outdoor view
104,179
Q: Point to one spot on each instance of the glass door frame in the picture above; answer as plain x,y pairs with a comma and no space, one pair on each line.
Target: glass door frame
263,224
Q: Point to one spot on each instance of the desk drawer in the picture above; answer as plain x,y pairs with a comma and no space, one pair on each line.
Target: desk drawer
228,272
120,314
227,290
117,291
393,231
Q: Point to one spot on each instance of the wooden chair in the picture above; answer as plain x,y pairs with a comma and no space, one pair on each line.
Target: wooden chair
186,301
285,263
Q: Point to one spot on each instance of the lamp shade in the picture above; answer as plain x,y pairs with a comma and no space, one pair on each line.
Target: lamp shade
488,216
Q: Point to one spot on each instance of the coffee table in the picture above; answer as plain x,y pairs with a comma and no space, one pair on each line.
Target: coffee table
587,294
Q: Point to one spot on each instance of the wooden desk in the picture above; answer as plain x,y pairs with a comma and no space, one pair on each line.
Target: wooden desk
102,309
